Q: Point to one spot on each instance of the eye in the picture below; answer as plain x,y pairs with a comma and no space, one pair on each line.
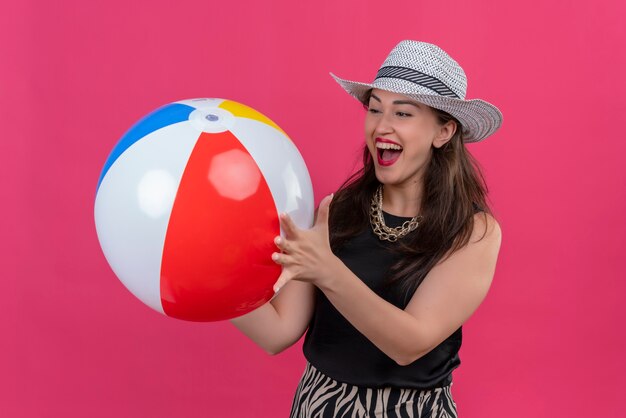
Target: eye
372,110
403,114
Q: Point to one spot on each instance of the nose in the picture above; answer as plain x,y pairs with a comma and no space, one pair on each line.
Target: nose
384,124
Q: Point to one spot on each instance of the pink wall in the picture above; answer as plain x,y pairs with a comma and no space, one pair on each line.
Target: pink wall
548,341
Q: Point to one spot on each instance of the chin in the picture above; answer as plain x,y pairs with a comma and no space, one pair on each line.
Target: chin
382,179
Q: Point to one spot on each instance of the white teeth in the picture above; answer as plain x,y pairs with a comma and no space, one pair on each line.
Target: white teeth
385,145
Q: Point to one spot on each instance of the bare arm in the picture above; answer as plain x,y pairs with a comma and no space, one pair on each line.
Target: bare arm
281,322
447,297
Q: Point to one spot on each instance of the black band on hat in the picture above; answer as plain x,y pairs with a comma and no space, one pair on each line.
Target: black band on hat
417,77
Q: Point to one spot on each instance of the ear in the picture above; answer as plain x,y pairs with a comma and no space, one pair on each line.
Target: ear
445,133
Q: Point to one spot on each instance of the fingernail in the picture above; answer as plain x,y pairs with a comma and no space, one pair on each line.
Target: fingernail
276,289
274,256
277,240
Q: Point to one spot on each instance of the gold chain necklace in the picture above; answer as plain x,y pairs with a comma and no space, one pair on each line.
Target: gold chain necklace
378,222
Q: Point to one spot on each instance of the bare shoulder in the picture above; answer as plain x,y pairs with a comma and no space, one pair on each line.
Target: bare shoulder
486,227
457,285
482,247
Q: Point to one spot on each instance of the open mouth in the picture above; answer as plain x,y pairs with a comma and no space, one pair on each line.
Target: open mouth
388,153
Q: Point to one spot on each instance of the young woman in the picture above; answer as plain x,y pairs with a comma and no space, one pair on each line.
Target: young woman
398,259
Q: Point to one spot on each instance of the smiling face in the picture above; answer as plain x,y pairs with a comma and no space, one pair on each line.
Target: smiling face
400,135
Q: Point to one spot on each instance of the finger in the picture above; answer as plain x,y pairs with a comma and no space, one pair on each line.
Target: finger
282,244
291,230
282,280
323,211
281,258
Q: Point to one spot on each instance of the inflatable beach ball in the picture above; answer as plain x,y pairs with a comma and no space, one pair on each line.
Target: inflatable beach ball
187,207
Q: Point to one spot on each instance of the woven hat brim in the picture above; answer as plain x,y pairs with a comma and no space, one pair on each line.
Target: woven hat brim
478,118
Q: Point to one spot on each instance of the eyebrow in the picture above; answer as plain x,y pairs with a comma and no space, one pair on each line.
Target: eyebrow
397,102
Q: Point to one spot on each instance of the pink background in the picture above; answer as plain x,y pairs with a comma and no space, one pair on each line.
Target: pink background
548,341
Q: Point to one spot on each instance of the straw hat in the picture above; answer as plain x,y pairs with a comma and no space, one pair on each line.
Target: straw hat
427,74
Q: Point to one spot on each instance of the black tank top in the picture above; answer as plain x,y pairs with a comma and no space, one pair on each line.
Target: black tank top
340,351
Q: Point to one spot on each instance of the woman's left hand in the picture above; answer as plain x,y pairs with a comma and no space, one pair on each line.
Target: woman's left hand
305,253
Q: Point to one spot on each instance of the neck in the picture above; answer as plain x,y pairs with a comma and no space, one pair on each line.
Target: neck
404,201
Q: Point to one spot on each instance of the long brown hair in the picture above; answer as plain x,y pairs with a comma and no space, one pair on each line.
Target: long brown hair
454,189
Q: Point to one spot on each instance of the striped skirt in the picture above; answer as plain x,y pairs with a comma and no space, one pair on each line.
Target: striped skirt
319,396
